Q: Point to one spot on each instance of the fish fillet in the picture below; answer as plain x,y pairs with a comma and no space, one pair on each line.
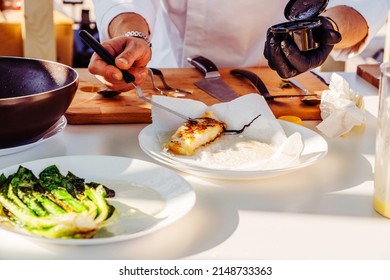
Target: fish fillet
194,134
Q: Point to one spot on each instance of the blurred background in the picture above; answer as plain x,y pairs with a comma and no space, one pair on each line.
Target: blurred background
71,16
24,24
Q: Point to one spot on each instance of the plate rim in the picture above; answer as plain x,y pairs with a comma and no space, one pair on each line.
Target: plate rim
188,196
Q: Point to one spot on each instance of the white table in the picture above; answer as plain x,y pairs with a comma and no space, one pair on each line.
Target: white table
320,212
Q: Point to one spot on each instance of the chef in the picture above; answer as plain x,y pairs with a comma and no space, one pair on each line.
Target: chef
163,33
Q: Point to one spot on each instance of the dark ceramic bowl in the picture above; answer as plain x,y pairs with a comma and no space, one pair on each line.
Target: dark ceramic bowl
34,95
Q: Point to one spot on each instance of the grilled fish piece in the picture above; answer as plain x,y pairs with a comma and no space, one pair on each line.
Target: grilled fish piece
194,134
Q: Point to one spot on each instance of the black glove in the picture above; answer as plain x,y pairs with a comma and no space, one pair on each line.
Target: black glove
288,61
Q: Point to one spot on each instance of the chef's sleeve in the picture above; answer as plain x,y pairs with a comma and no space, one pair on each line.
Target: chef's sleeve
374,12
106,10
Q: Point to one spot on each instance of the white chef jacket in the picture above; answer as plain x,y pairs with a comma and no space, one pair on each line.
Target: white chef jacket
231,33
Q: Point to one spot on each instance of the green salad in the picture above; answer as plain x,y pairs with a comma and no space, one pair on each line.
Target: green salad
53,205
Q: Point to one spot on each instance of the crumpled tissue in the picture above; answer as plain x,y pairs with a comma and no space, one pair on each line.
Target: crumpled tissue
341,108
262,146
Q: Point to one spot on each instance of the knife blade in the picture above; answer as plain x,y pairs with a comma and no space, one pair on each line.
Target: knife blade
212,83
260,86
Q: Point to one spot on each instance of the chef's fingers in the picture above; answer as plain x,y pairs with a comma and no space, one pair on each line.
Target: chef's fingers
304,61
120,86
328,37
140,75
99,67
128,53
277,59
131,52
109,73
327,33
112,77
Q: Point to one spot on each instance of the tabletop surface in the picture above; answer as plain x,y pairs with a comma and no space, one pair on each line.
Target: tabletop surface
323,211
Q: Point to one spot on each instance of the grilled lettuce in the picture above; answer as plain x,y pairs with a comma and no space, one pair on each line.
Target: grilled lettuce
53,205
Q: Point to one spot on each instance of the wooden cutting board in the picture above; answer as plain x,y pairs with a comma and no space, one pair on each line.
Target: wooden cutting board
370,72
89,107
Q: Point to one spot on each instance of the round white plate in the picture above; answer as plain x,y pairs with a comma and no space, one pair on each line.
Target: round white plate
148,196
51,132
315,148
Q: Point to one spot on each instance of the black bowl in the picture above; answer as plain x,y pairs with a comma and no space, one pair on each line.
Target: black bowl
34,95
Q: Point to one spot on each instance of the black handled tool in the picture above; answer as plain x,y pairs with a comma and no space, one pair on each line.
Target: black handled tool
103,53
260,86
212,83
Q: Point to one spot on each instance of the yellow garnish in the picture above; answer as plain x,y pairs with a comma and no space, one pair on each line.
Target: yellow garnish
293,119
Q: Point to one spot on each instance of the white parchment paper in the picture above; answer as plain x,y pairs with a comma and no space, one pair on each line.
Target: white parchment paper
263,145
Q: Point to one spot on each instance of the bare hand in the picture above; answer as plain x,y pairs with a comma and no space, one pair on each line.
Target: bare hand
132,54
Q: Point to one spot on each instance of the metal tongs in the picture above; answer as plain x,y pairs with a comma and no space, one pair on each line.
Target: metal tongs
129,78
169,90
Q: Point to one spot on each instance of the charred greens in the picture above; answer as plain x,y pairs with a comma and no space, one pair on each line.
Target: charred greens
54,205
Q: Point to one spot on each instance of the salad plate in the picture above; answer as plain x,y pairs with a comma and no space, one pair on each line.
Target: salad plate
315,148
51,132
147,197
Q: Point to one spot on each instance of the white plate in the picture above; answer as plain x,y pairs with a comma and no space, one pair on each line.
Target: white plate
156,195
315,148
51,132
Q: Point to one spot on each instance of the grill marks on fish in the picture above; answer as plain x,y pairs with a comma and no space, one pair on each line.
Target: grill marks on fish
194,134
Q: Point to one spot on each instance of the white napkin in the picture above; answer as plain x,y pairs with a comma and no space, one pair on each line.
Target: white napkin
341,108
263,145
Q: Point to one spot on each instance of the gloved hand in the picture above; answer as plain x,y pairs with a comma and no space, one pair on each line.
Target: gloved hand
288,61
